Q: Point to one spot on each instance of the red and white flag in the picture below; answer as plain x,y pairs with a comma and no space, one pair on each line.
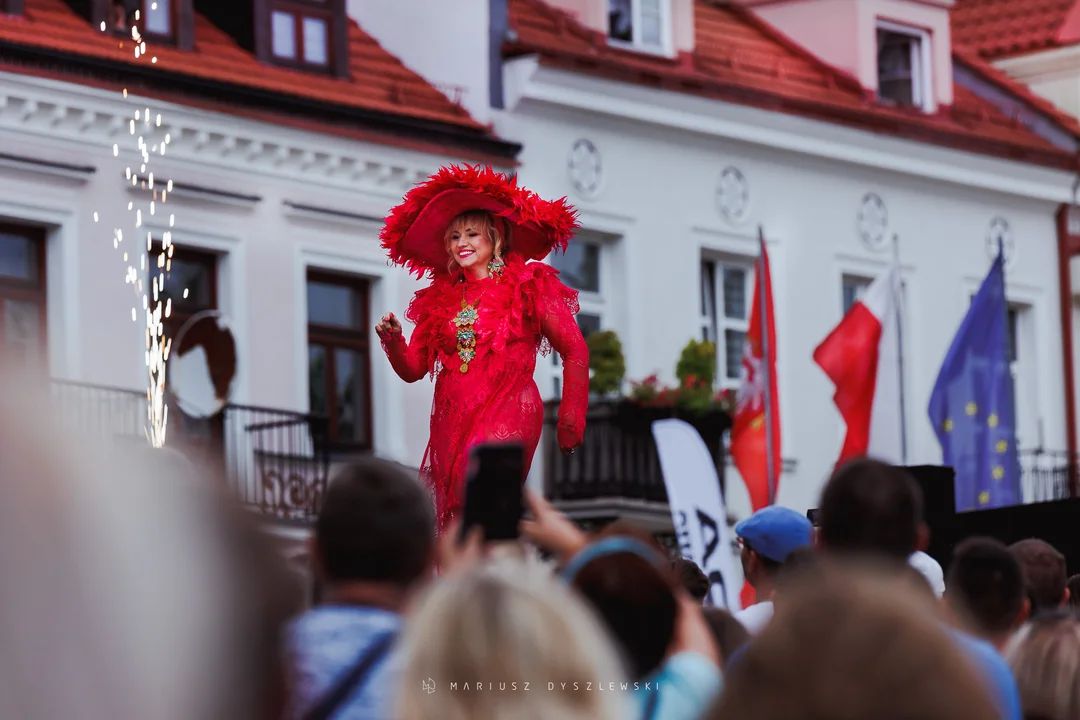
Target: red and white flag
750,438
862,358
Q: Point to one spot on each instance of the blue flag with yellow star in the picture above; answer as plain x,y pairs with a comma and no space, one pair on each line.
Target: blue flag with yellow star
971,406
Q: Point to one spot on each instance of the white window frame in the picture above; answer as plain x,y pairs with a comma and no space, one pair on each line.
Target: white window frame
714,321
665,47
590,303
922,77
1022,368
860,282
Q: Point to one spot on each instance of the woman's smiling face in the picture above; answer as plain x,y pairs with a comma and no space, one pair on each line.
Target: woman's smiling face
469,243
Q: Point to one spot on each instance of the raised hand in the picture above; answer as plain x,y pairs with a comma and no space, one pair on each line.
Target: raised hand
388,326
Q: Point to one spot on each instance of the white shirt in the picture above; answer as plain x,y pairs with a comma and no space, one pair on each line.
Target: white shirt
756,617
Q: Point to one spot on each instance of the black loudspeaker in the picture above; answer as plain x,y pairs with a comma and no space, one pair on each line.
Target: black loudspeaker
938,485
1054,522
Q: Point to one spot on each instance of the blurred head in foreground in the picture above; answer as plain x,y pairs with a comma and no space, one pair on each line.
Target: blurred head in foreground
507,623
629,582
1044,655
985,590
853,643
870,508
128,590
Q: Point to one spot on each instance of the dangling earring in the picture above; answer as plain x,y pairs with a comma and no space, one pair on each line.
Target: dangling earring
495,267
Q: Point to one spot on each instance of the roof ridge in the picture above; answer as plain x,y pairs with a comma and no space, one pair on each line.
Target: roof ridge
1018,89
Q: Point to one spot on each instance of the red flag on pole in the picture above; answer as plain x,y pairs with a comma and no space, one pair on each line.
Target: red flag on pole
755,432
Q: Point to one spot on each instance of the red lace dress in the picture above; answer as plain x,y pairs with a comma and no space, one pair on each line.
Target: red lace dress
520,312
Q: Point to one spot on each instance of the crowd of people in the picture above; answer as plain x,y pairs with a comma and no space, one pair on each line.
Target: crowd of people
131,590
853,619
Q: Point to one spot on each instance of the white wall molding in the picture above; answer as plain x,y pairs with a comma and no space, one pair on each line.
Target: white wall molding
789,133
65,111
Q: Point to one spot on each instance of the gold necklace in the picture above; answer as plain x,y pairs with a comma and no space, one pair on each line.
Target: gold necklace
466,329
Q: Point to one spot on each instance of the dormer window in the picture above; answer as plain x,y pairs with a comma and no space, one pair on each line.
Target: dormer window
641,24
298,35
903,57
169,21
307,34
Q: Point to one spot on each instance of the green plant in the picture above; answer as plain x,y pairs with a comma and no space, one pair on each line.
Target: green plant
606,362
697,365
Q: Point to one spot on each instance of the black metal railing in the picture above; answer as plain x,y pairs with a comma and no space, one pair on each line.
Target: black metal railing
99,411
277,461
618,457
1048,475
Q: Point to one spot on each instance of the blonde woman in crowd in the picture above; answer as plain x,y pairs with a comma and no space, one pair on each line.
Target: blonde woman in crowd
1045,656
507,641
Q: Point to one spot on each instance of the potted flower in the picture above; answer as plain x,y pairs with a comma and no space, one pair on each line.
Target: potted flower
606,364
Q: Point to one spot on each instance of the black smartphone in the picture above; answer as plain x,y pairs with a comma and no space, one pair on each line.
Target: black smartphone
812,516
493,495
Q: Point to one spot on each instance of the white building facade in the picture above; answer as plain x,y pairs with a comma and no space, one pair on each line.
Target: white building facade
275,200
674,169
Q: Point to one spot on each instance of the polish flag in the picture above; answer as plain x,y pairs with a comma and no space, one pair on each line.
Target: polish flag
862,358
749,429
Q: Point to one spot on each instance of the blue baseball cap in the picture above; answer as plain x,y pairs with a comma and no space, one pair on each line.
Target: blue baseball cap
774,532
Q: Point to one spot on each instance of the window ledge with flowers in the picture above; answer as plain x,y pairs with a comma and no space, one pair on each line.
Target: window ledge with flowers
618,458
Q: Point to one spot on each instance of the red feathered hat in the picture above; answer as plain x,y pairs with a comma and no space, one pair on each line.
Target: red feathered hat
414,230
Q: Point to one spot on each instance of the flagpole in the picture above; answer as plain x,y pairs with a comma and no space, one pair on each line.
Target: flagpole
900,354
1018,488
767,370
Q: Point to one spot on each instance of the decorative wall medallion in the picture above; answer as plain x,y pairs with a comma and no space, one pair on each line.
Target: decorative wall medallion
999,231
585,168
733,195
873,222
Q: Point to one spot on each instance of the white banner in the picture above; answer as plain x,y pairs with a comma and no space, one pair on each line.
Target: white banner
697,507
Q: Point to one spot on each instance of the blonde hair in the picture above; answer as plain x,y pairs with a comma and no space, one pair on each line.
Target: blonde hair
512,628
485,222
1045,658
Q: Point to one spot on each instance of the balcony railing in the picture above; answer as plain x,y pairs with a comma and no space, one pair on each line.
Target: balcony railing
618,459
276,461
1047,476
101,412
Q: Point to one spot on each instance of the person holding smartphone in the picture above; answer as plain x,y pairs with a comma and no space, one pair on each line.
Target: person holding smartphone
486,314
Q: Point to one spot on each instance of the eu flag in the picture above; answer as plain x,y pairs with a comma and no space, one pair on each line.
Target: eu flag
971,406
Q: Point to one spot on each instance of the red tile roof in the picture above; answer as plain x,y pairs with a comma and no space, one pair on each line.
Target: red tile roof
999,28
741,58
378,81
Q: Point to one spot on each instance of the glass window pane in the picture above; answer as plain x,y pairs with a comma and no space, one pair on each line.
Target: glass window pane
315,51
651,23
852,291
733,351
335,305
1014,318
708,290
18,258
21,323
735,299
350,392
588,323
318,380
283,29
158,17
579,266
621,20
194,277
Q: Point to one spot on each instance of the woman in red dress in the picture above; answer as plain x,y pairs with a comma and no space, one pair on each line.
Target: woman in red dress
481,322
